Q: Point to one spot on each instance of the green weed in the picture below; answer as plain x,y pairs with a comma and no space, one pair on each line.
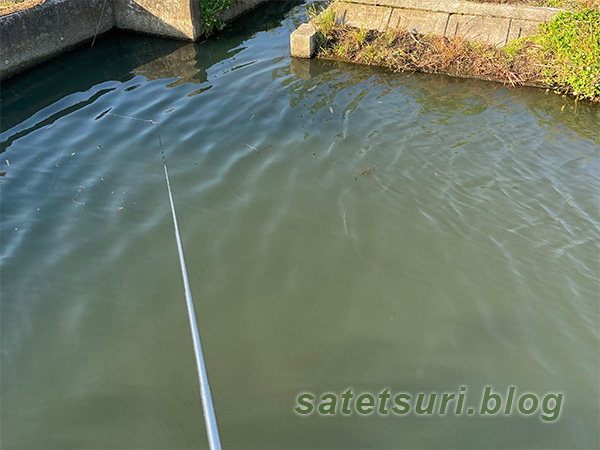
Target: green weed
360,36
210,11
571,52
322,19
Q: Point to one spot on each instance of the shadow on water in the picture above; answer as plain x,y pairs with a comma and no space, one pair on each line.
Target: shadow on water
452,95
152,57
156,58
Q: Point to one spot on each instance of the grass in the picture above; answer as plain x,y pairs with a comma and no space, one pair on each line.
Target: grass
564,55
570,52
10,6
210,11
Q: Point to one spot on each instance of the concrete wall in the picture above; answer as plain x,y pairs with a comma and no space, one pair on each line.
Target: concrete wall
494,24
34,35
179,19
240,9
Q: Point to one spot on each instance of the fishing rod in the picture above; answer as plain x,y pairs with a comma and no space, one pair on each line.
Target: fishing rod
210,419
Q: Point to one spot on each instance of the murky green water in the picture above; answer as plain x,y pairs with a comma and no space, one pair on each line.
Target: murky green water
468,256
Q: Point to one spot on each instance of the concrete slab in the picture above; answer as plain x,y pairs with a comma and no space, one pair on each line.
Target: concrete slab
485,29
520,28
179,19
35,35
303,43
240,9
523,12
357,15
423,22
488,23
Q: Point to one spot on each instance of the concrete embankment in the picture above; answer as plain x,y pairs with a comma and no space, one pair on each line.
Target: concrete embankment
34,35
488,23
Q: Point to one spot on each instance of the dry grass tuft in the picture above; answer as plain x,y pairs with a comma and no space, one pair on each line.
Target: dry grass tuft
405,51
11,6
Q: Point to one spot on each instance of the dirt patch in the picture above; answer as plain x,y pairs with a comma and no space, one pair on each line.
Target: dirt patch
11,6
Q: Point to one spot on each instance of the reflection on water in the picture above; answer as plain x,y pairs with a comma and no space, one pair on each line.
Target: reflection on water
466,256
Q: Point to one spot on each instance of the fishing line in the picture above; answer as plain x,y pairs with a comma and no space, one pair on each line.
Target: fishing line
98,25
58,162
210,419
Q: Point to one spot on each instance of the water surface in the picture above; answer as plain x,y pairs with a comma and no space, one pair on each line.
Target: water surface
467,255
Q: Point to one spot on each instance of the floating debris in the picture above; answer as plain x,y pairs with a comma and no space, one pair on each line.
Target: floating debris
331,109
120,208
3,173
366,170
570,202
7,162
257,150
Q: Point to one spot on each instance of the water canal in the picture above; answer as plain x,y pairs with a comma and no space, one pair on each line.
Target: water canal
343,227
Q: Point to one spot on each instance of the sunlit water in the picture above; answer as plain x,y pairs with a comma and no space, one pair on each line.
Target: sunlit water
466,254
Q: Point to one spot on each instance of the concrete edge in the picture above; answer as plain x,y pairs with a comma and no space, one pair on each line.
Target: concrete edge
34,35
239,9
487,23
534,13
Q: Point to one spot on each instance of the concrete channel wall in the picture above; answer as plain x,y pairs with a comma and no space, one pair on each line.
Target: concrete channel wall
34,35
178,19
489,23
42,32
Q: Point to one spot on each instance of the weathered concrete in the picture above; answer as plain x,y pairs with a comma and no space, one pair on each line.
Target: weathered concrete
303,42
179,19
42,32
240,9
34,35
494,24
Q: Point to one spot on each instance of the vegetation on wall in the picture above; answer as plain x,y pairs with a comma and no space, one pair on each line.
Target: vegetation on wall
210,11
569,52
564,55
